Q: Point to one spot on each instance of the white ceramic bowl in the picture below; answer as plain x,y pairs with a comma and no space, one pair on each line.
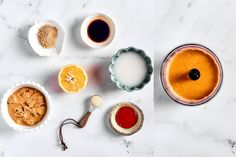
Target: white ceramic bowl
84,29
128,131
4,107
33,39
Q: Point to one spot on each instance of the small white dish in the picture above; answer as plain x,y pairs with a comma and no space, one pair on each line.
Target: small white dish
84,30
8,119
126,131
33,39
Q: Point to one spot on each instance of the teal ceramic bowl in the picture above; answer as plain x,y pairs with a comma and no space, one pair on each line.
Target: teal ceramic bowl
145,58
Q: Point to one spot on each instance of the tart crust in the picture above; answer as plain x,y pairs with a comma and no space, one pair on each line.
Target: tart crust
176,74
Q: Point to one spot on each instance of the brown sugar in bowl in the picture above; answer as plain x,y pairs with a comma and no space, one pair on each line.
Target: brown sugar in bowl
26,106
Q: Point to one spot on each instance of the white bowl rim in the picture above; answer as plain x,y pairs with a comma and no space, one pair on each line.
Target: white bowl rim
38,49
8,119
85,24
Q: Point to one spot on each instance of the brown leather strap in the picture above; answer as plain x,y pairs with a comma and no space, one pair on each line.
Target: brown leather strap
65,122
84,119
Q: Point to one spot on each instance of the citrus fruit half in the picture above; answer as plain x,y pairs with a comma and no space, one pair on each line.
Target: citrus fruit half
72,78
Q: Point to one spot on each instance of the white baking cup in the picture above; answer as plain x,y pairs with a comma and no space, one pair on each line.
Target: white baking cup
5,113
36,46
84,30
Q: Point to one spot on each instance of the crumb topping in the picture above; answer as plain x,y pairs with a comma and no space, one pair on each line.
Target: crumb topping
27,106
47,36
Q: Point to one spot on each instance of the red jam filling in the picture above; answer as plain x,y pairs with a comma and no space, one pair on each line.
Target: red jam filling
126,117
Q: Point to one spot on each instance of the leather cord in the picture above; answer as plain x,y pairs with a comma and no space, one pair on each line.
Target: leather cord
65,122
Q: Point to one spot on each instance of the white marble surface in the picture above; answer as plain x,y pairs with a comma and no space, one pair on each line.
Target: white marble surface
134,23
157,26
208,130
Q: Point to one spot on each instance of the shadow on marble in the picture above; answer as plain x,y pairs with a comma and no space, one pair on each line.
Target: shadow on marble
107,124
23,42
109,87
99,76
53,83
75,34
4,128
160,97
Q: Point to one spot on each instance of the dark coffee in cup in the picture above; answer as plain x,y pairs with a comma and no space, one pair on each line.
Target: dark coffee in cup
98,30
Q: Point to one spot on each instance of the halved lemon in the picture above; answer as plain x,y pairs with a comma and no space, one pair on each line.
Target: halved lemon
72,78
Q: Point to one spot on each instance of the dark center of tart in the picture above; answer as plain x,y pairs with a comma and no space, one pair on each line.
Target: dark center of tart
194,74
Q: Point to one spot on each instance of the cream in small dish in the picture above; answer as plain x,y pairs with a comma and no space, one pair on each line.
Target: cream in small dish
26,106
130,69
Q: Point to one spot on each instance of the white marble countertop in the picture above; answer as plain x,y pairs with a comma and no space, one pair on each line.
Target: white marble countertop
208,130
18,63
156,26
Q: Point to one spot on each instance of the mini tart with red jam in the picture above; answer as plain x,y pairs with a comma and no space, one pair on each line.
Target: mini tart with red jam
126,118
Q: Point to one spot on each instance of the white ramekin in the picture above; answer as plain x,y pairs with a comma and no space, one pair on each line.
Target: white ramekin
5,113
84,29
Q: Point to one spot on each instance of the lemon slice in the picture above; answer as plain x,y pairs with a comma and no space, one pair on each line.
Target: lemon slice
72,78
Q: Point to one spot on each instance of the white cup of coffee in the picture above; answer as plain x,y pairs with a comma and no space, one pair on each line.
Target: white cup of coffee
97,30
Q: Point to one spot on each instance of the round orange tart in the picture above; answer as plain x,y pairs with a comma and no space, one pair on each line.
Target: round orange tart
191,74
